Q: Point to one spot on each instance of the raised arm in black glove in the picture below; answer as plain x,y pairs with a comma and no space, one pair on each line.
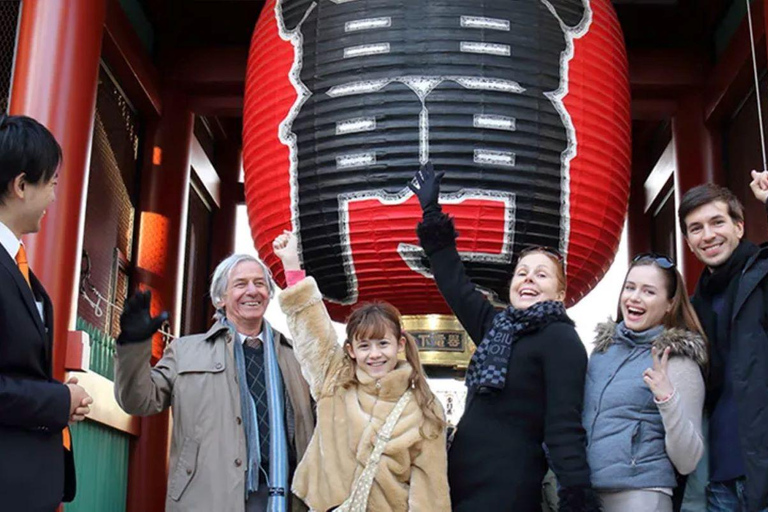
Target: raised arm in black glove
436,228
426,186
136,322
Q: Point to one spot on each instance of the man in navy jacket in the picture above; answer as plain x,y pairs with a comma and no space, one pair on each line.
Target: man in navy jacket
36,464
731,300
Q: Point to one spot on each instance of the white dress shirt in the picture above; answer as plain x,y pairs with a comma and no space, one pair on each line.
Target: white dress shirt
243,336
11,244
9,241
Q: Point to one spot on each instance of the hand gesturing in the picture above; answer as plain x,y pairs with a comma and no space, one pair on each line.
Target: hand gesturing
759,185
286,247
426,186
136,322
656,378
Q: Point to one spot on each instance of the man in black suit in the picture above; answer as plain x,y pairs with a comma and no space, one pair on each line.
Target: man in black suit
36,464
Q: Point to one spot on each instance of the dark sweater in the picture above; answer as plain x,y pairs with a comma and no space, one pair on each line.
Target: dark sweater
496,461
725,463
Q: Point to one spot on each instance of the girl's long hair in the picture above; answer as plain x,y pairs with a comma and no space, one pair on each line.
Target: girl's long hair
374,320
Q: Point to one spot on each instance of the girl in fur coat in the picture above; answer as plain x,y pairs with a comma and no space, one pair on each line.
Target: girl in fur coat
356,387
644,393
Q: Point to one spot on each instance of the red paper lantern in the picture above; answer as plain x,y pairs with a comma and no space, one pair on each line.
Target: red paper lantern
525,105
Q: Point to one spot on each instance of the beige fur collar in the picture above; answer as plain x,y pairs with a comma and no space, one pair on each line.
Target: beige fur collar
391,386
681,341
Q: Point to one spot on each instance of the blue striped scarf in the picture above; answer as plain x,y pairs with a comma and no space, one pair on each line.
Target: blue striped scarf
278,444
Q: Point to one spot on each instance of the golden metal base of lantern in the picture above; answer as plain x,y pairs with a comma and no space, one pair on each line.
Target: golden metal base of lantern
441,339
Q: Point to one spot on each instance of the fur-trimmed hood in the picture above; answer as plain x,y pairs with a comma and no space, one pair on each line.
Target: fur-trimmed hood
682,342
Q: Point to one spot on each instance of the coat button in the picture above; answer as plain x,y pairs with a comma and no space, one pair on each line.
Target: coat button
218,366
189,471
239,421
238,463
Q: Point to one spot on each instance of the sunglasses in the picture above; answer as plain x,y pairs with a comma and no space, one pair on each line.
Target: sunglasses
542,248
662,260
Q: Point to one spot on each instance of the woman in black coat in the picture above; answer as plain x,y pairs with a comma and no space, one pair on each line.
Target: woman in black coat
525,382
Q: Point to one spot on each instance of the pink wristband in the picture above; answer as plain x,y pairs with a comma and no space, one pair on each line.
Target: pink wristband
294,276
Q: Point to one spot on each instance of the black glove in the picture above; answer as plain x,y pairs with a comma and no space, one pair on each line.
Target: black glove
136,323
579,499
426,186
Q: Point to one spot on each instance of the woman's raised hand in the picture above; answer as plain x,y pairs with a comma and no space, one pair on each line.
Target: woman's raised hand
656,378
286,247
426,186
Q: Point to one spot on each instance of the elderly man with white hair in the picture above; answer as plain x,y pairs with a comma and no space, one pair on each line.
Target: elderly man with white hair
242,413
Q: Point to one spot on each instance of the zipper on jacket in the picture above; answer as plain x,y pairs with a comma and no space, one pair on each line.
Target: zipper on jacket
633,443
612,376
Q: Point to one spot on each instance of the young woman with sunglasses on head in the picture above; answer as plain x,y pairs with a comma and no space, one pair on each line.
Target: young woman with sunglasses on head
379,443
525,381
645,391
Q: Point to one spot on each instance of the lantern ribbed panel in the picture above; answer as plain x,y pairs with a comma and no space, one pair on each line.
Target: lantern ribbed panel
344,100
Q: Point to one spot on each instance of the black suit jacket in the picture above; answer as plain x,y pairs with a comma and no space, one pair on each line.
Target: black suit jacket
35,469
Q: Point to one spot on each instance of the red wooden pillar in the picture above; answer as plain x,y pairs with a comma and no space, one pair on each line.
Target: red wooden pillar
697,154
160,263
54,81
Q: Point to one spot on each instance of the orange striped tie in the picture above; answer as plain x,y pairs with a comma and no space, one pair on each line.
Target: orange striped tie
66,439
21,261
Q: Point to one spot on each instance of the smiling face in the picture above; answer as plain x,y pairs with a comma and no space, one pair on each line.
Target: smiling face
535,280
712,234
32,200
645,298
376,355
247,297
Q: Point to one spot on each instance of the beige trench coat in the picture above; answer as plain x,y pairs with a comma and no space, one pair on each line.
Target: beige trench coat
197,377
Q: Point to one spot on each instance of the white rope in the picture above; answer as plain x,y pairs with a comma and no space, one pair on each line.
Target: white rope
99,312
757,86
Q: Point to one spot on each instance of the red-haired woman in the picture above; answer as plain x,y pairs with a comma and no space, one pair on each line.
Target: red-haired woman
525,381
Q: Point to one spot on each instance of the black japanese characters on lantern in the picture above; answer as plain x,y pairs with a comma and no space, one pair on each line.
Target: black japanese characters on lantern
474,86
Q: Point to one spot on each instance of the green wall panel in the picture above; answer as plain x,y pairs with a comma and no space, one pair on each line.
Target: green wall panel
102,349
101,461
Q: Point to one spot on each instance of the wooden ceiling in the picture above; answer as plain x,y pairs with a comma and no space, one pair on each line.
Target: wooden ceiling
207,43
646,23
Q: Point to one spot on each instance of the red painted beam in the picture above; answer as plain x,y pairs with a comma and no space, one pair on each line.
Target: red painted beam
225,105
658,78
665,71
129,61
731,79
207,70
697,158
213,78
652,109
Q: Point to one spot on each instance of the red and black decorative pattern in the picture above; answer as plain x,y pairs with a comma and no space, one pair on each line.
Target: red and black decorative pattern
524,104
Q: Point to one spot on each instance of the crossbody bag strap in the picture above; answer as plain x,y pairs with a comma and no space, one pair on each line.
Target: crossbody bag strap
358,498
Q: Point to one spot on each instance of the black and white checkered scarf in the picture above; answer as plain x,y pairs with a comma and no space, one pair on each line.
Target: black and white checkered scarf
488,368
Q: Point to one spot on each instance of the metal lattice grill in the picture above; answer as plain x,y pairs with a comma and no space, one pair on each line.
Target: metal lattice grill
110,209
9,22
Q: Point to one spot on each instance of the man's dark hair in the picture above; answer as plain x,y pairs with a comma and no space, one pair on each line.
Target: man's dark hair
705,194
26,147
